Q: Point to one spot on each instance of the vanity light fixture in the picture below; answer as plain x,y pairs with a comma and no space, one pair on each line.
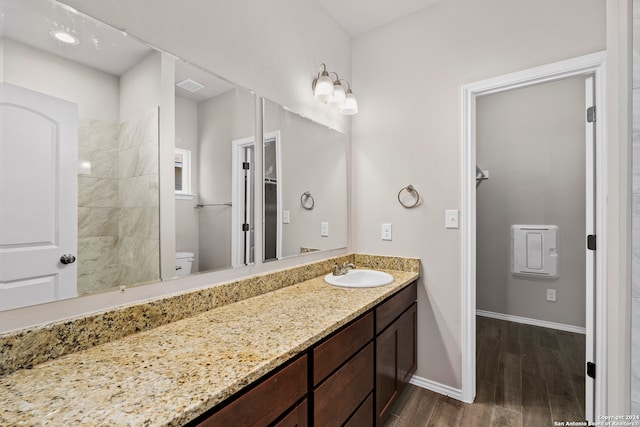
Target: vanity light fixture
330,91
323,86
64,37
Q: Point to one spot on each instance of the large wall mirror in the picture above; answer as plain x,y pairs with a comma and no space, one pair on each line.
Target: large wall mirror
81,107
305,184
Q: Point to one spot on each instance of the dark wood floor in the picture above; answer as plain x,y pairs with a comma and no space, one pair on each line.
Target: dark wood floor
526,376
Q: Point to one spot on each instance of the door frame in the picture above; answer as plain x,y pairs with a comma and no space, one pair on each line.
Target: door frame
592,64
238,237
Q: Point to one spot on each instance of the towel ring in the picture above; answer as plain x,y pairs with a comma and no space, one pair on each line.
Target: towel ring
304,200
409,189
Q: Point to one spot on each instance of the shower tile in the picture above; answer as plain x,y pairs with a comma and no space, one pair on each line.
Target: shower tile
139,222
103,248
103,163
97,222
100,277
138,161
127,160
104,135
97,192
139,191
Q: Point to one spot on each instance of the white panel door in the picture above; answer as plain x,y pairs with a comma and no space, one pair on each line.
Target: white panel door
38,197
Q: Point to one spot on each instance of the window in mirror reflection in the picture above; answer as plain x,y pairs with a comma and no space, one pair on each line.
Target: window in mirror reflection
182,173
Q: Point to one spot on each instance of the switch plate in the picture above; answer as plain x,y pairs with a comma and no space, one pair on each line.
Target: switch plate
551,295
285,217
385,232
451,218
324,229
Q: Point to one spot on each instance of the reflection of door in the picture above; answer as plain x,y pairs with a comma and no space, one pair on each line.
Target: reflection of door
272,197
243,222
38,197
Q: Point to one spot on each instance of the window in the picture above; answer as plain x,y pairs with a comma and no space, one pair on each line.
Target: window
182,167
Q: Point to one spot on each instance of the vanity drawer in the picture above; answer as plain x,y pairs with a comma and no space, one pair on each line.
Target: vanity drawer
267,401
364,414
389,310
343,392
329,355
297,417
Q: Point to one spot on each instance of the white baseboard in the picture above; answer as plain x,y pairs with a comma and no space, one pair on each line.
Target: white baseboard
436,387
533,322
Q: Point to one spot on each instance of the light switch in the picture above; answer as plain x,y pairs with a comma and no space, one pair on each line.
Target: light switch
385,233
285,217
551,295
324,229
451,218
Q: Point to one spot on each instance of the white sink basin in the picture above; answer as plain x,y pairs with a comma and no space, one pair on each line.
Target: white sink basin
360,279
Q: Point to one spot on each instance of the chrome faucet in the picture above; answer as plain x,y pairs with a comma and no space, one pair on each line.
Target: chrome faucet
337,271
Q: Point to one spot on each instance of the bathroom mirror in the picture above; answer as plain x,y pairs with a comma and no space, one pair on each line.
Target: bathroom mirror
214,172
305,184
84,113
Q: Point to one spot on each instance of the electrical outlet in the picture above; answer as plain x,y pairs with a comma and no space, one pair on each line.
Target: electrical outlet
551,295
385,233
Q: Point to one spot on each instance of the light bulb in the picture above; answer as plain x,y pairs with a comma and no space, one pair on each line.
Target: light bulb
350,106
323,90
338,94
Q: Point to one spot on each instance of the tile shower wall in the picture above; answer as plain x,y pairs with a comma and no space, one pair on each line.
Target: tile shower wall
98,211
139,229
118,232
635,239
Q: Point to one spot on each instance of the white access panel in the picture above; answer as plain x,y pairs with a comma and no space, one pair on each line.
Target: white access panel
534,250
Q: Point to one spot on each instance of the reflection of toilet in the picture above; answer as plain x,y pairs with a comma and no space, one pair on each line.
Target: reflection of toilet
184,260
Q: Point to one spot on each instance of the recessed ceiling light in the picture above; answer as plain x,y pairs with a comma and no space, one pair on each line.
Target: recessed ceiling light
64,37
190,85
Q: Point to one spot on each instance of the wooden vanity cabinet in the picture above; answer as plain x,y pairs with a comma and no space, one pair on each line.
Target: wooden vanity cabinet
343,374
396,347
264,403
352,378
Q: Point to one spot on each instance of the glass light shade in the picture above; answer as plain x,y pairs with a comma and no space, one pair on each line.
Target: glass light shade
350,105
323,90
338,94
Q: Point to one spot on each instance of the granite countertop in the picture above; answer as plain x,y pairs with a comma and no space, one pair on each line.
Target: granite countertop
169,375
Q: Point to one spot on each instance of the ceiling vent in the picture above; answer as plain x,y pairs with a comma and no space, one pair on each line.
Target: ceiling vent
190,85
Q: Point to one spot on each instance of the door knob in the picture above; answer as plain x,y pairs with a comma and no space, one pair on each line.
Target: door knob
67,259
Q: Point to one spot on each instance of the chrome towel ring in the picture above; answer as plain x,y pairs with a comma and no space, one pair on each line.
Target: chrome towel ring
304,200
410,190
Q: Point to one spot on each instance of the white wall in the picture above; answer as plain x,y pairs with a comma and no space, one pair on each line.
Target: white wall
187,227
408,131
221,120
532,142
95,92
140,87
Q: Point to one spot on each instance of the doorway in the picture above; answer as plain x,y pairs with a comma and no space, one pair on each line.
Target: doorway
594,208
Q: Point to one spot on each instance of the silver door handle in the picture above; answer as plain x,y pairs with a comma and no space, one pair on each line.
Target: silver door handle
67,259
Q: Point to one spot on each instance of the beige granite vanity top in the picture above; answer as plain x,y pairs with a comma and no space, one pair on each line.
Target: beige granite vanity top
173,373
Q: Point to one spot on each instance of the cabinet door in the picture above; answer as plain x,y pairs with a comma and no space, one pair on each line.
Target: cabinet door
386,372
407,346
395,360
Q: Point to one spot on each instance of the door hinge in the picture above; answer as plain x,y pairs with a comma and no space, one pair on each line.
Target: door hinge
591,370
591,242
591,114
246,165
245,227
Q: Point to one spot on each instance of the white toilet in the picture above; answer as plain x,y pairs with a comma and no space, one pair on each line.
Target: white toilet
184,261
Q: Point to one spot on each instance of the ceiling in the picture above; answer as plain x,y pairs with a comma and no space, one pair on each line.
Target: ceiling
100,46
360,16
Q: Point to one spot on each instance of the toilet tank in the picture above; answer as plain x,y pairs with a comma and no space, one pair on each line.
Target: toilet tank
184,261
